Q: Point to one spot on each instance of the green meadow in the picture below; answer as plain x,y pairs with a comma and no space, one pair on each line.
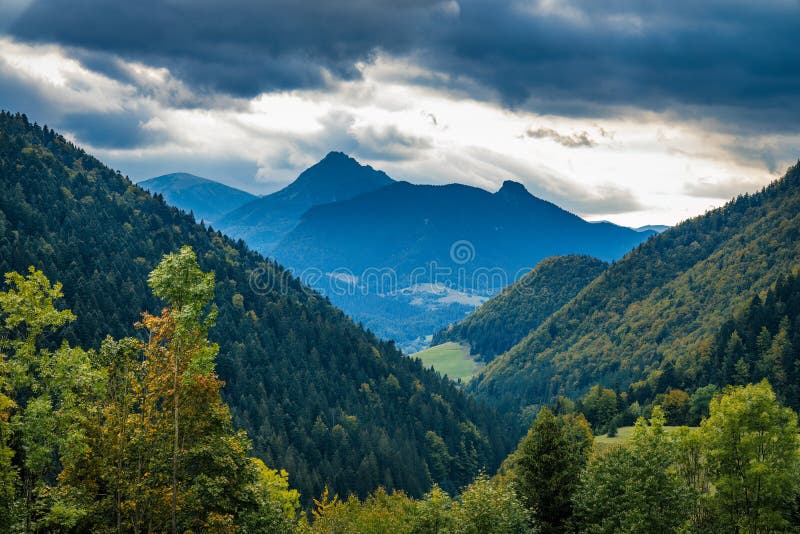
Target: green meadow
451,359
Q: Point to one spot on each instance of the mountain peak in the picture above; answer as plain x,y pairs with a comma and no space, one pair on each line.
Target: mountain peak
339,176
267,220
511,188
334,155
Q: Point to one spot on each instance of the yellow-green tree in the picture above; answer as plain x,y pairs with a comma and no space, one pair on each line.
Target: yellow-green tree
751,443
42,413
635,488
134,437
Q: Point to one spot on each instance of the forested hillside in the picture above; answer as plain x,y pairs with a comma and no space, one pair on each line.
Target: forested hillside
651,312
760,340
318,396
503,321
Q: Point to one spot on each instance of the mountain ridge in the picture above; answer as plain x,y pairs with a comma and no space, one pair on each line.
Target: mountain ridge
264,221
458,237
208,199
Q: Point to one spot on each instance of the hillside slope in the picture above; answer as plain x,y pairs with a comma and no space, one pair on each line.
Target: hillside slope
263,222
318,395
654,309
207,199
760,340
503,321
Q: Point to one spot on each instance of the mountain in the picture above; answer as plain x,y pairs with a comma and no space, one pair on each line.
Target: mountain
263,222
207,199
503,321
317,394
433,253
657,228
646,323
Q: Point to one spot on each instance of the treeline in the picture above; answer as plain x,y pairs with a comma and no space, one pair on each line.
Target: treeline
739,471
133,437
503,321
318,395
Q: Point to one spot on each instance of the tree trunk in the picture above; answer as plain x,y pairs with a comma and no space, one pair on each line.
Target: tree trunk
175,447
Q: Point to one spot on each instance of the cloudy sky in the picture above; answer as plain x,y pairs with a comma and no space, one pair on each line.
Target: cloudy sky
632,111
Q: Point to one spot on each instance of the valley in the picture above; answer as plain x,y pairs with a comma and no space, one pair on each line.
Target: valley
390,257
429,267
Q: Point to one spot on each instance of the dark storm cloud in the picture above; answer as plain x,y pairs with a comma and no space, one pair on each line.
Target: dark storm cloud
575,140
120,130
101,129
236,46
736,61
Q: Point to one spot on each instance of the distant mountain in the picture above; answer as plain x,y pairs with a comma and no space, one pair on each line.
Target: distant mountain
648,322
658,228
263,222
209,200
439,251
503,321
317,394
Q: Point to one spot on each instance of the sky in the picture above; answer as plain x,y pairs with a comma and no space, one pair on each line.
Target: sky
636,112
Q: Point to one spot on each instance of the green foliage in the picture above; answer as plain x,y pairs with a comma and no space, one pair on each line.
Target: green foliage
545,468
634,488
647,317
287,357
178,280
600,406
506,319
484,507
380,512
277,505
489,507
42,420
96,442
760,341
675,405
751,444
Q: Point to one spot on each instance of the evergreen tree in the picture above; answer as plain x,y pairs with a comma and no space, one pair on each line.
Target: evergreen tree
546,467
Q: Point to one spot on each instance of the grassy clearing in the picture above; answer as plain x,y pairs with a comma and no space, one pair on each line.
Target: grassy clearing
623,434
451,359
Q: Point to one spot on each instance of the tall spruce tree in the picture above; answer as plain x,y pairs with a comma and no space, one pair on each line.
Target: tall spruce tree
545,469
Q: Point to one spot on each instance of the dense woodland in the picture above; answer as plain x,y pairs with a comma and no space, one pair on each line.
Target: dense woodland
653,312
503,321
758,342
318,395
135,437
